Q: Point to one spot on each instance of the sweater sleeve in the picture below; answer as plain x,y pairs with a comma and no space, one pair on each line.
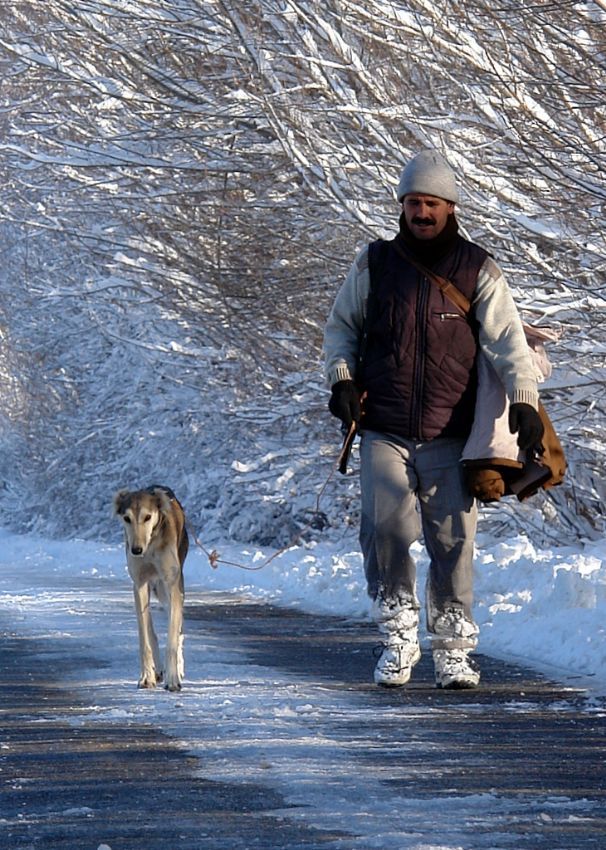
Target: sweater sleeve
345,323
502,337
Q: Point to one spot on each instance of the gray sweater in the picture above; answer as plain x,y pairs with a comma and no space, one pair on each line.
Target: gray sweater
501,336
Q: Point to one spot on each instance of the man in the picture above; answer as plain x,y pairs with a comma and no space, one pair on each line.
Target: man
401,365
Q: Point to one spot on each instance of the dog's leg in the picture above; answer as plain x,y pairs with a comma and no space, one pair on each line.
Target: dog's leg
155,650
153,639
180,657
174,642
148,643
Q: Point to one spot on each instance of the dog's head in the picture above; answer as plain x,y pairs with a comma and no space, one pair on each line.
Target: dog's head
141,512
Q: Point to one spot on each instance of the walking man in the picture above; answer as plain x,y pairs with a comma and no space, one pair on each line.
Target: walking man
400,359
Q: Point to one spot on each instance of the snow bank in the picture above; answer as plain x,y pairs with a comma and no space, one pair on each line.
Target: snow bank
545,606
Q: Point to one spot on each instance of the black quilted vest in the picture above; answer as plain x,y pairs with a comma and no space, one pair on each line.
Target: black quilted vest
418,366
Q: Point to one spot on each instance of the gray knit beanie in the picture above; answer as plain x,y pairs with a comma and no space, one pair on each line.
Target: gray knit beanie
428,173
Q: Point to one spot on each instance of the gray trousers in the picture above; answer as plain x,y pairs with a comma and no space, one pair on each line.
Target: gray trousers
409,488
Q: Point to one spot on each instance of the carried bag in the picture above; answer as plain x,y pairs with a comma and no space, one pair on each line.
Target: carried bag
499,468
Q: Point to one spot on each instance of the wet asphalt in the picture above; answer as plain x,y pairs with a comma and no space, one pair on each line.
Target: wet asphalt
74,786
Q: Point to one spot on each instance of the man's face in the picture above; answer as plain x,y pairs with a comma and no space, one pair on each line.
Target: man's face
425,215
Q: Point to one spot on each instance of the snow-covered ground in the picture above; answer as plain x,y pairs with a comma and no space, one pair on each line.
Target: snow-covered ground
260,724
545,606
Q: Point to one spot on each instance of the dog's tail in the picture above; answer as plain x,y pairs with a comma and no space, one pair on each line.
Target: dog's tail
158,588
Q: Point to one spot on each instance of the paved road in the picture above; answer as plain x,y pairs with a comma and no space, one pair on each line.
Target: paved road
535,747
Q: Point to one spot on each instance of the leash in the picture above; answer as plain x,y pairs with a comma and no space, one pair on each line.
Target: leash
214,559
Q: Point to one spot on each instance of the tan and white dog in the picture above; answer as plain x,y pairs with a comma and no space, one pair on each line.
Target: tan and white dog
156,547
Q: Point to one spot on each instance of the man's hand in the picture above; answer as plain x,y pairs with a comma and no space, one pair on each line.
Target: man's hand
525,420
345,402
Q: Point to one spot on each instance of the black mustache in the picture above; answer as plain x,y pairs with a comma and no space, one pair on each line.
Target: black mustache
423,221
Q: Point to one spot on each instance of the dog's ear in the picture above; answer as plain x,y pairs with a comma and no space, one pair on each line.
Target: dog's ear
162,500
119,501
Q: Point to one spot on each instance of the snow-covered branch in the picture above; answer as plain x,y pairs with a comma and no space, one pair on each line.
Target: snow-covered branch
185,184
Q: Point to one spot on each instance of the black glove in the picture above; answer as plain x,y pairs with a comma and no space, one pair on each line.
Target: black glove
345,402
524,419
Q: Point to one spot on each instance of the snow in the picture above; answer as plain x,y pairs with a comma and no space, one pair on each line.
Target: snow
546,607
319,117
249,722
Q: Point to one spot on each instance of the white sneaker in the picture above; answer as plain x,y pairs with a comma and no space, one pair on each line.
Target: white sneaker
454,669
395,663
397,617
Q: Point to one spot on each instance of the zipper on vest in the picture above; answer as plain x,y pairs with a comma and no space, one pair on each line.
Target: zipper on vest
446,317
416,413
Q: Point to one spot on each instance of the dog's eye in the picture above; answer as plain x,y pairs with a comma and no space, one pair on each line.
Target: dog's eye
147,518
126,519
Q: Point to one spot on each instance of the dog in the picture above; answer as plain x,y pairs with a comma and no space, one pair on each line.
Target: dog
156,545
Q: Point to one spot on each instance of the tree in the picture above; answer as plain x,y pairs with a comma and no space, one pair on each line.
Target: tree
185,183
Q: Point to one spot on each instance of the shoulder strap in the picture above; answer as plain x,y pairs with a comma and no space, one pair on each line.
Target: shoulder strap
444,285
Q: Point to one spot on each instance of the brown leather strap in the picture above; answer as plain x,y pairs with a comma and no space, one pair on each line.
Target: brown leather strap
444,285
